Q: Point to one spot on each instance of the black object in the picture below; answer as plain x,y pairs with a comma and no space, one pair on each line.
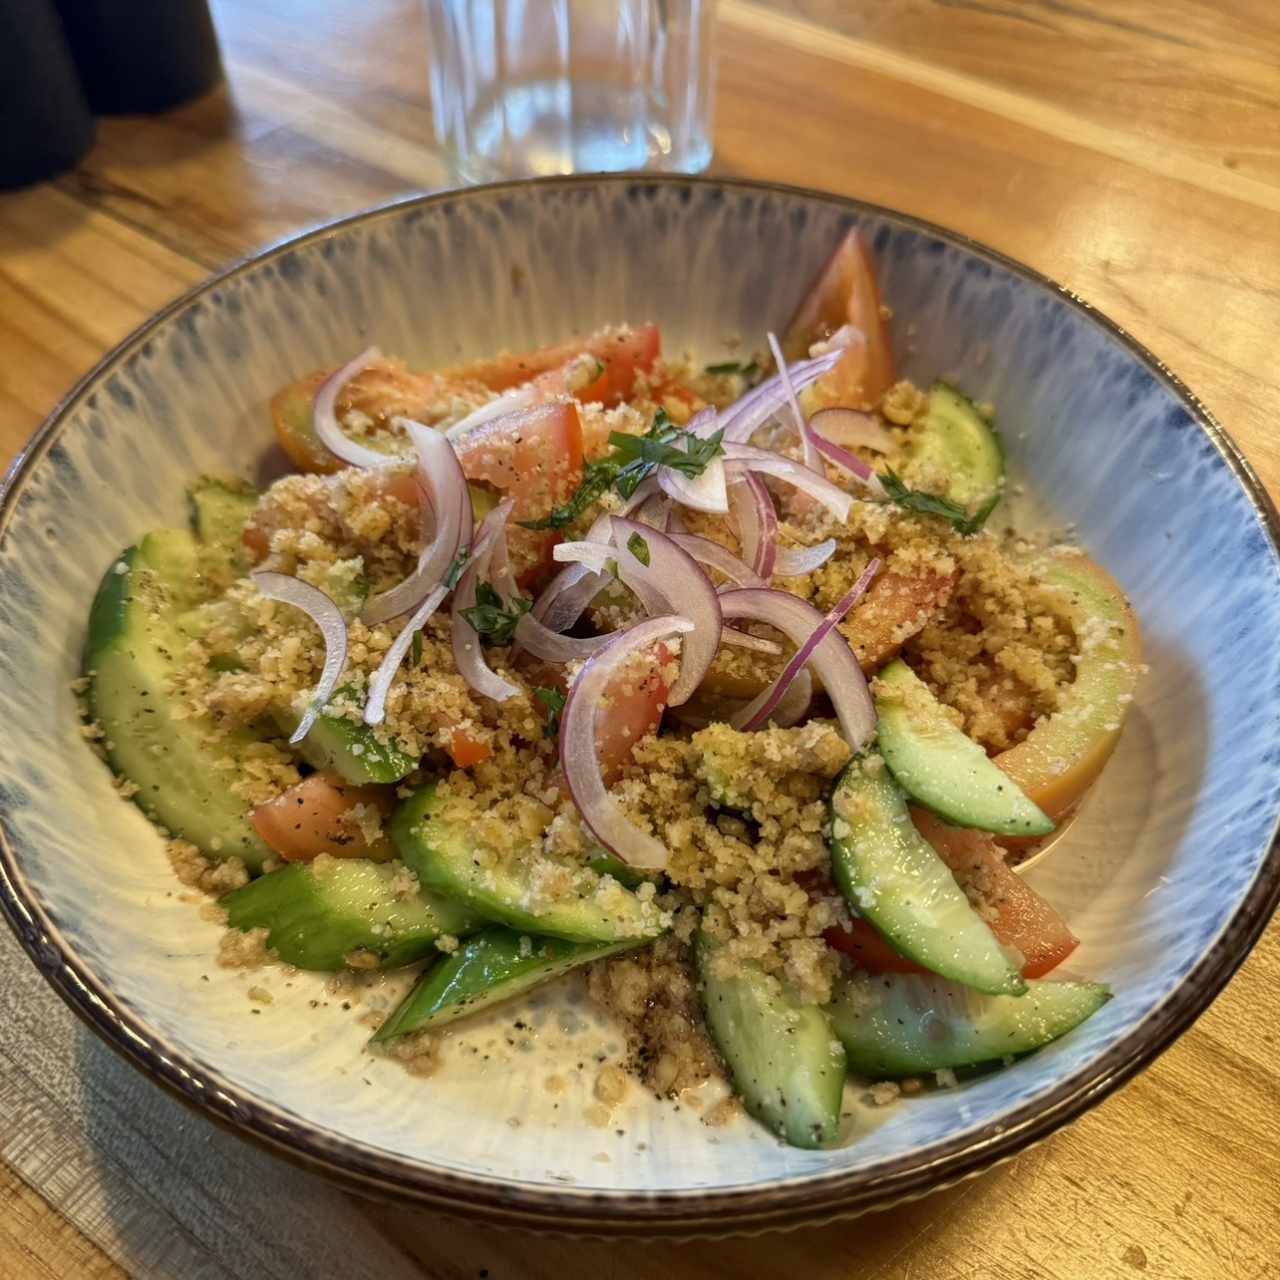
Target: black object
141,55
46,124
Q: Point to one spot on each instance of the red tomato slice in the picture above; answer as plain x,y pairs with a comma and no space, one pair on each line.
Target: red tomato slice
868,950
465,751
623,352
1023,918
306,820
535,457
846,292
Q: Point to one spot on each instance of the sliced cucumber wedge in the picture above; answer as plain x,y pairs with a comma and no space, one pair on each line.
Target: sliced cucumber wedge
348,747
954,440
787,1064
890,875
494,965
903,1024
526,890
319,914
181,767
936,765
220,508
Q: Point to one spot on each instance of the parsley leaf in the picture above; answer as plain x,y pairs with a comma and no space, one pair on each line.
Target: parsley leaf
928,504
490,619
553,700
633,459
415,648
457,568
638,548
748,370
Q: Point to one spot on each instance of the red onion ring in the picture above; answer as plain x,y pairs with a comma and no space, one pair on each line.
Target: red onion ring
508,402
567,595
333,630
375,707
579,762
831,496
705,491
756,522
742,419
820,643
713,555
445,489
789,710
324,416
812,459
795,562
468,652
673,575
852,429
536,638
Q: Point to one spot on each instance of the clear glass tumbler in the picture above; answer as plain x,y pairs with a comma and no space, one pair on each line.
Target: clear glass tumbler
523,87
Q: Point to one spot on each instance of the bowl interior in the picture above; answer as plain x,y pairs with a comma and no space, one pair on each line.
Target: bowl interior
1168,846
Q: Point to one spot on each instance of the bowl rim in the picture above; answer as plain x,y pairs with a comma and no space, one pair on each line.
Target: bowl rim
563,1208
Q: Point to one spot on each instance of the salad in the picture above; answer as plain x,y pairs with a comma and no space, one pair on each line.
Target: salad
720,685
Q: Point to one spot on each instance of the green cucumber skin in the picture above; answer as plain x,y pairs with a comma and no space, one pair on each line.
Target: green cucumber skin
905,1024
315,920
130,651
604,863
329,747
220,509
787,1064
942,769
444,859
889,874
489,967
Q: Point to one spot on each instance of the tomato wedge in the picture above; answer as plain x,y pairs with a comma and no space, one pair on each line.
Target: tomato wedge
622,352
846,292
533,456
307,820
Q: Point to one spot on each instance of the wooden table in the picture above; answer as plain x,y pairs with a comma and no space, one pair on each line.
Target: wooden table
1130,149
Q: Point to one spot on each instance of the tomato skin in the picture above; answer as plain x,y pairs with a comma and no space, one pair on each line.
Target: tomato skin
623,352
868,949
466,751
846,292
305,821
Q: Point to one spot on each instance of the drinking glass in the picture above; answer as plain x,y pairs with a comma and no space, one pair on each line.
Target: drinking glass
531,87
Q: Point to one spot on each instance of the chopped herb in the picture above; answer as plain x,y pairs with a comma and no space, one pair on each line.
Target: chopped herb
457,568
553,700
638,548
493,621
928,504
599,370
415,648
633,459
748,370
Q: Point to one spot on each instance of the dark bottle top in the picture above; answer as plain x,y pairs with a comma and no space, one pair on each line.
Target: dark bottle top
45,124
141,55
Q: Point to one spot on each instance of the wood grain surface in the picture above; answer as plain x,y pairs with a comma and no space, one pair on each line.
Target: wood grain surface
1128,148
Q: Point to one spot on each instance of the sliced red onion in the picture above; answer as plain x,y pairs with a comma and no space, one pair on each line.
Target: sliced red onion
329,430
795,562
789,710
712,554
468,652
756,522
445,488
375,707
745,640
567,595
812,459
831,496
852,429
333,630
579,761
820,643
705,491
655,511
551,646
594,555
742,419
672,574
845,336
508,402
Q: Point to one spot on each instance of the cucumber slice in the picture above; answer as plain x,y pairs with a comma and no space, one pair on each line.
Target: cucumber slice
582,907
604,863
935,764
901,1024
181,767
220,508
787,1064
954,440
889,874
319,915
348,747
492,966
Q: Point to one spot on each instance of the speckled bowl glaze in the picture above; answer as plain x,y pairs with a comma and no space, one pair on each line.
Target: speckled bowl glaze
1168,877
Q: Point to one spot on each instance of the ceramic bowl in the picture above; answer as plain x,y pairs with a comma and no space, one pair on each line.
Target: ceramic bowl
1168,877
